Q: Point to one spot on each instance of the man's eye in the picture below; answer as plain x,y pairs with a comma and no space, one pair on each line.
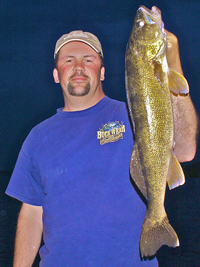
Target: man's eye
88,61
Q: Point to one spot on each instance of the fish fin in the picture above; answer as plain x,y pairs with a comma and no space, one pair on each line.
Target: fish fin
177,83
136,171
176,175
155,234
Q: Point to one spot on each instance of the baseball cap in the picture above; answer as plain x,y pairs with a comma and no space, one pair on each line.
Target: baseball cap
85,37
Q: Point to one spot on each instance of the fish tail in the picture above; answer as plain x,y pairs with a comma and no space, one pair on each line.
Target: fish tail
155,234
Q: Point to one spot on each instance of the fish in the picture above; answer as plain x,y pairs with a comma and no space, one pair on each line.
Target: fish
150,85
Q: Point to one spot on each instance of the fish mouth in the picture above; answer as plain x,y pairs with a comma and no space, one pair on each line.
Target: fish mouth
152,16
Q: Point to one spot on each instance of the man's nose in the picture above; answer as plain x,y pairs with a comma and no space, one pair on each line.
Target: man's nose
79,66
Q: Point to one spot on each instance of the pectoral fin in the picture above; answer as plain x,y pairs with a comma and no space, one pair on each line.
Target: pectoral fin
136,171
177,83
176,175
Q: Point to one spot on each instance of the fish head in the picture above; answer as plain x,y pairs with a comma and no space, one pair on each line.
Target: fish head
148,38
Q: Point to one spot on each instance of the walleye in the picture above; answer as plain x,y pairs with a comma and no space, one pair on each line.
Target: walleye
153,162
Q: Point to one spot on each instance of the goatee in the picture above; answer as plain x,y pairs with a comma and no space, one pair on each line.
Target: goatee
76,92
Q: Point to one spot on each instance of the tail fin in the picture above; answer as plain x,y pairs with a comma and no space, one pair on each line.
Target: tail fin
156,234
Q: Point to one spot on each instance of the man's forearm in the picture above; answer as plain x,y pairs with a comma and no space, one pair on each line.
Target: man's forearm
28,235
185,116
185,128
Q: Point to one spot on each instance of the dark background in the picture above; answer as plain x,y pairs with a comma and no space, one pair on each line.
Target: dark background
28,32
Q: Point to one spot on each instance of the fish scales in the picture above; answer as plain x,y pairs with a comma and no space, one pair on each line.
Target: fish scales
153,162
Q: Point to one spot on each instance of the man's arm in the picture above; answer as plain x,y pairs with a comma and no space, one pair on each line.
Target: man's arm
28,235
185,117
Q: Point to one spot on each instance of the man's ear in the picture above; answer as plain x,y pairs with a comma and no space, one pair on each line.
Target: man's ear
102,75
55,76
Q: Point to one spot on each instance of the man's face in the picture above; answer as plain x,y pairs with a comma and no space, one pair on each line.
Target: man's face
78,70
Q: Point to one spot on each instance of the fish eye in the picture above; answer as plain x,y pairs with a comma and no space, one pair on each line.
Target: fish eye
141,23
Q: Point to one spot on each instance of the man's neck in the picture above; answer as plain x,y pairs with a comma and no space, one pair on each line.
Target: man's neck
82,102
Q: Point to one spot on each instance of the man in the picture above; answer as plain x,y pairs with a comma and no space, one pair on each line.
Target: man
72,173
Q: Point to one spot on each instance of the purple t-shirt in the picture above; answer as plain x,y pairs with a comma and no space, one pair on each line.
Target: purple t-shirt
76,166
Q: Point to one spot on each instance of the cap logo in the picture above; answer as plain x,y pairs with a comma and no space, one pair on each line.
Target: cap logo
76,34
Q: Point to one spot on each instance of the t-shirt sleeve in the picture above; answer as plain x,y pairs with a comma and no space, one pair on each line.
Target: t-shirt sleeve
25,184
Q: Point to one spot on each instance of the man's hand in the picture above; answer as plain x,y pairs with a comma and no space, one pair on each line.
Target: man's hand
173,58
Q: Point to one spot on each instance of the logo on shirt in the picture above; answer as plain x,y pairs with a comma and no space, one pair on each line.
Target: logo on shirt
111,132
